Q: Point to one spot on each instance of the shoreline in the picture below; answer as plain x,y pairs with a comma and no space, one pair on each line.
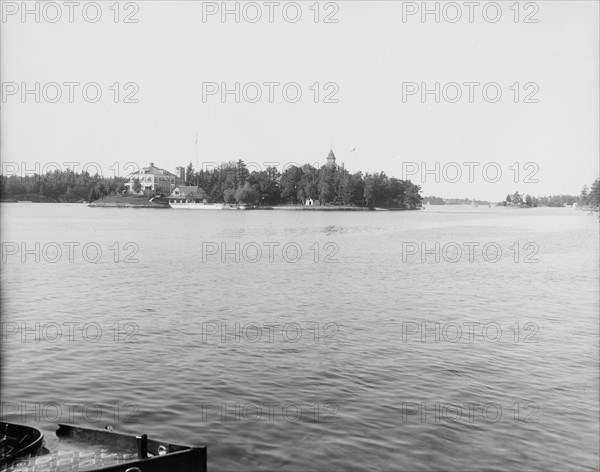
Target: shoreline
131,201
163,205
128,201
126,205
330,208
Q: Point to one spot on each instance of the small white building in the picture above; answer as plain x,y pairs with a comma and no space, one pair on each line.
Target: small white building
309,202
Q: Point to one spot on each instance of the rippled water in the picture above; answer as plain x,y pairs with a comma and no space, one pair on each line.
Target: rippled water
344,381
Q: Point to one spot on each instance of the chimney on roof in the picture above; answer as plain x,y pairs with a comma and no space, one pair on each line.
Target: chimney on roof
152,164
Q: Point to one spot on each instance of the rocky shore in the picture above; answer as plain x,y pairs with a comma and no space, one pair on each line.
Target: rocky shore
129,201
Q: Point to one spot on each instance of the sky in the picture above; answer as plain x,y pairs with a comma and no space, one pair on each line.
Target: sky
365,71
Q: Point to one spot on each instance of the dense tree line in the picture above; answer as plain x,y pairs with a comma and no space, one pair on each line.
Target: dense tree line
589,198
526,200
234,182
453,201
57,186
329,185
434,201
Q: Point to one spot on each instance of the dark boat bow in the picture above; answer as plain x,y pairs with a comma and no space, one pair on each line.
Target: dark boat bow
18,440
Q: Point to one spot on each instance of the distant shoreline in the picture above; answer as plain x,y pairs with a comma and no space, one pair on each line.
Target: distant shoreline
142,202
130,201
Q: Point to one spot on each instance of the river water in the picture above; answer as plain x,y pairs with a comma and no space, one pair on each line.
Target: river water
453,338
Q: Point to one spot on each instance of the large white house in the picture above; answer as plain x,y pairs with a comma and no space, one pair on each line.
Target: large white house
152,179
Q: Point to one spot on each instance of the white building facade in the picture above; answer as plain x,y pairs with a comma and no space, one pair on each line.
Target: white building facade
152,180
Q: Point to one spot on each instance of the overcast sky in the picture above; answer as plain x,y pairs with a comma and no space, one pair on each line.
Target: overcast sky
368,54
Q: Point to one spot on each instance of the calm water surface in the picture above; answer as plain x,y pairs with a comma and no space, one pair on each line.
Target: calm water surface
355,388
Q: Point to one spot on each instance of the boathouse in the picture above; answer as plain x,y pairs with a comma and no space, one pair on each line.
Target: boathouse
188,194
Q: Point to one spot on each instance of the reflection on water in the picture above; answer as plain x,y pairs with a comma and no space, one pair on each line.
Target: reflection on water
293,340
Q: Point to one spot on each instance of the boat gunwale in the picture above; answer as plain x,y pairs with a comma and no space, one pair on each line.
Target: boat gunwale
174,452
182,457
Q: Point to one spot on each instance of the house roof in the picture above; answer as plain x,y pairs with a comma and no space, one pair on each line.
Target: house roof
152,169
331,155
188,191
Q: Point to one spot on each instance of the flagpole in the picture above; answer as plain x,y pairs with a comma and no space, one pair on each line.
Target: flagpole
196,145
